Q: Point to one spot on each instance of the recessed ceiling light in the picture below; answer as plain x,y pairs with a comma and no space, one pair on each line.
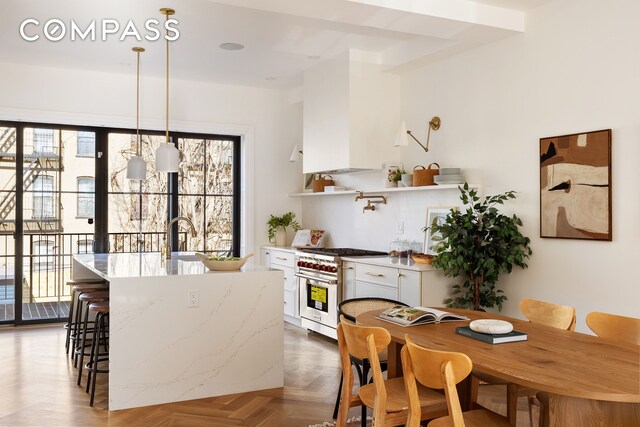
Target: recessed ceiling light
231,46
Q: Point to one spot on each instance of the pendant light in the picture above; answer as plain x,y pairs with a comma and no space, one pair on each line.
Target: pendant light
167,155
136,167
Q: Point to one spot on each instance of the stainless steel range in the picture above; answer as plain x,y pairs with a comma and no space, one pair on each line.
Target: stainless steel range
319,271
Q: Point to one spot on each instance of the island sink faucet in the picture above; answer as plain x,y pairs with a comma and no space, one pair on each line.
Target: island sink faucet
167,233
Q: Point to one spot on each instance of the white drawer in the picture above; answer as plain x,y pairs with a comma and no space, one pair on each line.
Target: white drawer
290,303
364,290
282,258
377,274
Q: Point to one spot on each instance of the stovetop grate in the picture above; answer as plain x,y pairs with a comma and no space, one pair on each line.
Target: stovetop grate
342,252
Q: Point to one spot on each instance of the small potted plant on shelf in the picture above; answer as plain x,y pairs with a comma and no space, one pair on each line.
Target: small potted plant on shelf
479,243
395,176
278,228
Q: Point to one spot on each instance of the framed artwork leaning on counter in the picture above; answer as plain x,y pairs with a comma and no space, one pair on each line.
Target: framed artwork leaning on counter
435,215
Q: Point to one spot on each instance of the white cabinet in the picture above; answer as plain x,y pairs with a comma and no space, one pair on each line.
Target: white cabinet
351,113
396,283
364,289
348,280
284,260
265,253
409,287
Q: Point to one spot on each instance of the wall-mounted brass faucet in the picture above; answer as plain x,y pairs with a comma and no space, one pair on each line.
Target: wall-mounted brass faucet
369,207
375,198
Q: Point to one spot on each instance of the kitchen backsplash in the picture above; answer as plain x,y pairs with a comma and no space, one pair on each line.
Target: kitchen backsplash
346,224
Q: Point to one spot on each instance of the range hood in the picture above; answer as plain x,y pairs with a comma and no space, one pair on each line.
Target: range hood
351,111
345,170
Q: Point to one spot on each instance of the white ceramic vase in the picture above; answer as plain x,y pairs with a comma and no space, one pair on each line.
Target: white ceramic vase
281,237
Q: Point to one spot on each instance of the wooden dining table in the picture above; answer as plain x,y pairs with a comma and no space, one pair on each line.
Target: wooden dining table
590,381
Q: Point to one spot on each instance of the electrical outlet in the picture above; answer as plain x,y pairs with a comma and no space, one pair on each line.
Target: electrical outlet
193,298
400,227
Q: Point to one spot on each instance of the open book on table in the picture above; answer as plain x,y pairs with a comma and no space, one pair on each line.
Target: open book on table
410,316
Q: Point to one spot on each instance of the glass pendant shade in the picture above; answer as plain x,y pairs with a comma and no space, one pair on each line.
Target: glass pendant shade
167,158
136,168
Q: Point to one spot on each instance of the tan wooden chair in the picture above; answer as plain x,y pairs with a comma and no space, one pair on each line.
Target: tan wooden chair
350,309
616,327
387,398
441,369
549,314
540,312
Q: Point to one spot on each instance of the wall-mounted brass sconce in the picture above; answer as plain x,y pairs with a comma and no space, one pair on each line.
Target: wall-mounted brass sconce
401,137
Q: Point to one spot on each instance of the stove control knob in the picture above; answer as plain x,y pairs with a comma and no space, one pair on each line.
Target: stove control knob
300,264
334,269
316,266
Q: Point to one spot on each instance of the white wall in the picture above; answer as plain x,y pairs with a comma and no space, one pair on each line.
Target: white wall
576,68
268,123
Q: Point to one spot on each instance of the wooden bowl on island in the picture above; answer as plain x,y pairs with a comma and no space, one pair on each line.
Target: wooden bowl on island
422,258
222,264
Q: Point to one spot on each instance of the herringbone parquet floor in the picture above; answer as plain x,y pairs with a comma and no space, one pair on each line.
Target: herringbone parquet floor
37,388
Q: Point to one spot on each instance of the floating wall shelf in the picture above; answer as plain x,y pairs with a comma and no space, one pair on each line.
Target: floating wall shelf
385,190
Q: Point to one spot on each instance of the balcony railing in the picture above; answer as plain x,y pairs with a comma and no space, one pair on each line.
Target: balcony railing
48,257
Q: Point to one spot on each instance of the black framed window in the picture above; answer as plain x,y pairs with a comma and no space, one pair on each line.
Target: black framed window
58,194
207,190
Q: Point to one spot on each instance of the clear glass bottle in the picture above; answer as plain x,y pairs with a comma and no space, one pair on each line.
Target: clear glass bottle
394,248
404,249
416,246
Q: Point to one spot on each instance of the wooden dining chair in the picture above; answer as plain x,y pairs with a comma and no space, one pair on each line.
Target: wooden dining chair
387,398
621,328
350,309
540,312
549,314
441,369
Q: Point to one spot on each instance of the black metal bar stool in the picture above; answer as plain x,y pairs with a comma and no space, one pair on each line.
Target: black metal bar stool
88,284
81,349
100,334
76,322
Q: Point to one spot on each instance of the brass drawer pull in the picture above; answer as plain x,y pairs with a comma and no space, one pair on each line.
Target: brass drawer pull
374,274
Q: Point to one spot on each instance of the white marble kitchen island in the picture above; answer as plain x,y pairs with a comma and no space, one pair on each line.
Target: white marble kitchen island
163,351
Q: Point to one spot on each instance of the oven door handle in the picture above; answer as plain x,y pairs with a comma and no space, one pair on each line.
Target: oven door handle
317,279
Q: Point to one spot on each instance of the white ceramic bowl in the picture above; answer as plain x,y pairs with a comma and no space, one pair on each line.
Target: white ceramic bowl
222,265
491,326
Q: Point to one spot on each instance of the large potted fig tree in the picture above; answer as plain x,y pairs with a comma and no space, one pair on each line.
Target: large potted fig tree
479,243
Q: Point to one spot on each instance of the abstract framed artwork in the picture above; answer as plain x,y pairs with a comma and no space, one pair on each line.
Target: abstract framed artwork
435,215
575,186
